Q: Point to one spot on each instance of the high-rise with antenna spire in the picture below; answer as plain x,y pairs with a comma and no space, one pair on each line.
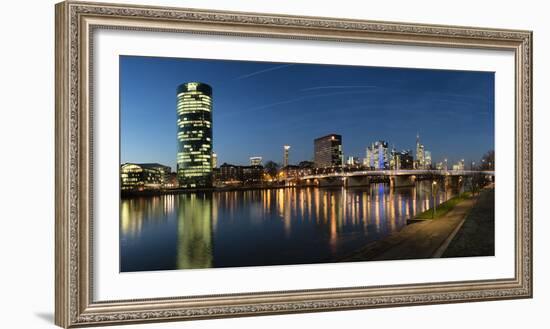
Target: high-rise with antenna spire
419,153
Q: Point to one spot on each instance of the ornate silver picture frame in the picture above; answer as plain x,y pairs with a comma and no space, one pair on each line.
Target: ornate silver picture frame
76,22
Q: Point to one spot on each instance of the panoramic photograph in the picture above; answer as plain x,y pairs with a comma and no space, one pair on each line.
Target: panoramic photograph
227,163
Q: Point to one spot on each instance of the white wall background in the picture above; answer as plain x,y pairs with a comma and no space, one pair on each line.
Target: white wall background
27,162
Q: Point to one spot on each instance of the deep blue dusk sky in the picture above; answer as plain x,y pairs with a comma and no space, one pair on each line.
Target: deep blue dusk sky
260,106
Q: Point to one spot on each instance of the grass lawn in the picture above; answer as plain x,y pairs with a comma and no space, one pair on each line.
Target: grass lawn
445,207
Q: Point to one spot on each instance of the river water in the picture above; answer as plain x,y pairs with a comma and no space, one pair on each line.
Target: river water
263,227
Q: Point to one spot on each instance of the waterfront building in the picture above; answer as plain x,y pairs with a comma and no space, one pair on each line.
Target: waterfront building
230,173
286,149
328,151
439,166
255,161
252,174
165,171
378,156
143,176
194,157
233,174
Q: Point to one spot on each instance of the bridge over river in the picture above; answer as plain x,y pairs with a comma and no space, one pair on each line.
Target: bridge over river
396,178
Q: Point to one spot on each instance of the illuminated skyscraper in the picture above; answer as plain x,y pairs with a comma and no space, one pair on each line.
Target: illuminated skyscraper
378,155
194,158
419,154
285,155
427,159
328,151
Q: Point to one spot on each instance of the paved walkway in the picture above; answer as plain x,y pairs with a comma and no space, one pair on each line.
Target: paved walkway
419,240
476,237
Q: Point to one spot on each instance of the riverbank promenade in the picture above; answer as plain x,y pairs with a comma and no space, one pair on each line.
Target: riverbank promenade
476,236
431,238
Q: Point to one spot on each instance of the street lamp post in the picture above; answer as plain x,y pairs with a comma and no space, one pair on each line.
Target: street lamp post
434,192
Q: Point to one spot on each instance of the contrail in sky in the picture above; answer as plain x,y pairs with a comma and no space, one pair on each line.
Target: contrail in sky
335,87
246,76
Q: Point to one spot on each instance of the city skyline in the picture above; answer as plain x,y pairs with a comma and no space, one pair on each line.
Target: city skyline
260,107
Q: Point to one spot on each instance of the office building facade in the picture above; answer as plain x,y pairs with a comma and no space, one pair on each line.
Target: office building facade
247,175
194,157
328,151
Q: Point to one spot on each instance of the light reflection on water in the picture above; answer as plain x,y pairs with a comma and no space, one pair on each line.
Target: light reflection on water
263,227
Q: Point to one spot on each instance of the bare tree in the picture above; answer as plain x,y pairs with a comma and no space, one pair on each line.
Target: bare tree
488,161
475,182
271,168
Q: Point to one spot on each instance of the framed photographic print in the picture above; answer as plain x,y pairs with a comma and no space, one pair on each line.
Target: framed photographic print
214,164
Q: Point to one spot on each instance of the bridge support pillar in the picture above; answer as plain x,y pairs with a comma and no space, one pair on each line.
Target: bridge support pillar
355,181
402,181
331,182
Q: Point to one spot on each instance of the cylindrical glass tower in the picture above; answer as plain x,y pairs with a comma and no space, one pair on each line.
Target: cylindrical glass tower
194,159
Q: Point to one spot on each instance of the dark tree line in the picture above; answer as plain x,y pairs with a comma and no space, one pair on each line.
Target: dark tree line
478,180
